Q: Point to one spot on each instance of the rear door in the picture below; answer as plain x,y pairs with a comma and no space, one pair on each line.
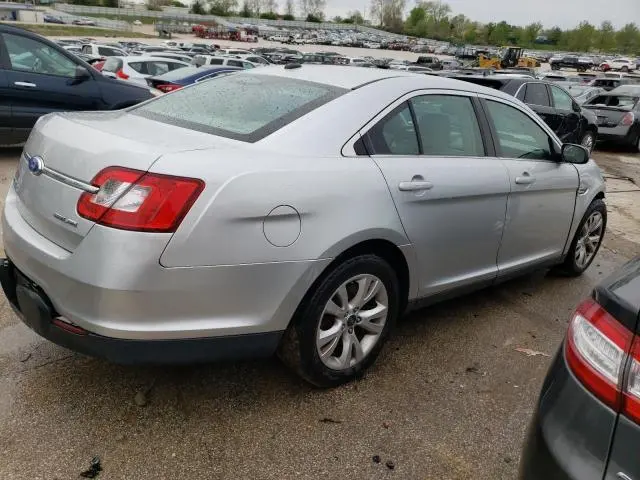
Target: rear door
41,80
6,123
450,192
568,112
543,191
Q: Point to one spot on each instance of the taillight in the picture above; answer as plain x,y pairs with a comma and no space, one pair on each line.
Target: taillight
122,75
605,357
168,87
135,200
628,119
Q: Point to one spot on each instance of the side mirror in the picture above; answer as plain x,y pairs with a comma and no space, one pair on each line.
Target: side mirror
576,107
577,154
81,75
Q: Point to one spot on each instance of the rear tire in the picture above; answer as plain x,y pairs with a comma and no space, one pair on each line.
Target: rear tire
585,246
336,335
625,69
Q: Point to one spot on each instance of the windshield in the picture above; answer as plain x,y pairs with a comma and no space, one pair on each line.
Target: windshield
239,106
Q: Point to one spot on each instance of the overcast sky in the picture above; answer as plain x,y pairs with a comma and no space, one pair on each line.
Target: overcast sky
564,13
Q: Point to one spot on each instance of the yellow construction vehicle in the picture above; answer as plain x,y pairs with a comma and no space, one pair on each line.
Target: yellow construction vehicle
511,58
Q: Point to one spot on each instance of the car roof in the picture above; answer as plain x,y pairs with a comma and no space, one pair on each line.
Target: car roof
353,78
145,58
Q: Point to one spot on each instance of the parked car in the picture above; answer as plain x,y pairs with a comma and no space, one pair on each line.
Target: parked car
52,19
568,61
618,114
581,93
587,419
177,79
619,64
609,83
138,69
85,22
556,107
174,56
320,283
450,64
39,77
103,50
137,23
255,59
430,62
200,60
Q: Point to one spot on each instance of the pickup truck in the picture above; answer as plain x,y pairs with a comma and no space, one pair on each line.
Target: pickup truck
568,61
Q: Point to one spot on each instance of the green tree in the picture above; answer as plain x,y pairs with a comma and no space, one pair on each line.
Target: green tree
197,7
628,38
356,17
554,35
606,37
288,16
530,33
269,16
176,3
246,10
314,18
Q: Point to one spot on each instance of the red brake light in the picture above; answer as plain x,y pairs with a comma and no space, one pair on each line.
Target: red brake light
122,75
135,200
168,87
628,119
596,351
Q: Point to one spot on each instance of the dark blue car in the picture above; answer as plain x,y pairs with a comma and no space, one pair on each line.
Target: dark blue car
38,77
183,77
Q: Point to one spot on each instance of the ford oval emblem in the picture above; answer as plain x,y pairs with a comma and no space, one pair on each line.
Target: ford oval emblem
36,165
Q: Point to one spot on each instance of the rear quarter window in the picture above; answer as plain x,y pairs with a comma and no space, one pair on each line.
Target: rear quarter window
240,106
112,65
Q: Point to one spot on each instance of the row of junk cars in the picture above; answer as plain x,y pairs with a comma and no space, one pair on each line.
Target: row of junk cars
602,105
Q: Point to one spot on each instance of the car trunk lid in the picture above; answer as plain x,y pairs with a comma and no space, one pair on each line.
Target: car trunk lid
73,148
611,109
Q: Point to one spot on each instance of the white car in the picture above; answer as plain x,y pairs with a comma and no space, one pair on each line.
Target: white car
233,51
98,50
257,60
137,69
137,23
621,64
200,60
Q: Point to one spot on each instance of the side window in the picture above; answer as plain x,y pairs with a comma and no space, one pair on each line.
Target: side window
448,126
234,63
537,95
86,49
518,135
521,92
247,65
561,100
29,55
157,68
395,134
138,67
175,66
216,61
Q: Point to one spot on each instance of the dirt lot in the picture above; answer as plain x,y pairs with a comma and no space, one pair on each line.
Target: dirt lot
450,398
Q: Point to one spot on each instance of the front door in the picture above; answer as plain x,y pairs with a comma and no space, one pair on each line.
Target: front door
450,195
543,190
41,80
569,114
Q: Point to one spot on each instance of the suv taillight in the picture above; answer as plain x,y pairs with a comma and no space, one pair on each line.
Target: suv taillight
604,356
135,200
168,87
628,119
120,74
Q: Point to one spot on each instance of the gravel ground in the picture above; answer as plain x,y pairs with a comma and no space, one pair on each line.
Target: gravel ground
449,398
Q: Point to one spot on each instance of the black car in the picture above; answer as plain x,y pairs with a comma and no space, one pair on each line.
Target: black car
587,422
38,76
568,61
553,104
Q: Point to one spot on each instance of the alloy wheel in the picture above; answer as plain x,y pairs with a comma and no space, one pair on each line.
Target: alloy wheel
352,322
589,240
587,142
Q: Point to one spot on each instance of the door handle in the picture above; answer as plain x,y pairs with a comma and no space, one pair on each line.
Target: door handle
25,84
414,186
525,179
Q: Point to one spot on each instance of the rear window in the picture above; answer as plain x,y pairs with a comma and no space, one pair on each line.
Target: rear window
112,65
618,101
239,106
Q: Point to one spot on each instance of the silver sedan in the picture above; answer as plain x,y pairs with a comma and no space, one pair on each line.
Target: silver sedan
296,209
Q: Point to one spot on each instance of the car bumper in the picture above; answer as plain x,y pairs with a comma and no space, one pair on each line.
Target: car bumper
619,134
113,286
560,444
35,309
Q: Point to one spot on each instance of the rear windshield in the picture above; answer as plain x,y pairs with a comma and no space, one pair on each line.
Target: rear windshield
239,106
618,101
112,65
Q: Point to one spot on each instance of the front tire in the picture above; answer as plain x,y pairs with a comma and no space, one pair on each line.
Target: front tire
341,326
589,141
587,240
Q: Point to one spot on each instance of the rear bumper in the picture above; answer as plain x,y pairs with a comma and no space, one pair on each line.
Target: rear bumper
35,309
113,286
570,433
619,134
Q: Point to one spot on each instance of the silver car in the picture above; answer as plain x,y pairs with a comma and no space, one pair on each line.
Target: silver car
296,209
